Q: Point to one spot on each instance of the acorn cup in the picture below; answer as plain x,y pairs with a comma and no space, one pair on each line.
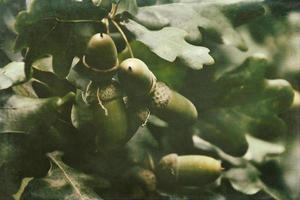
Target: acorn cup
142,177
138,81
188,170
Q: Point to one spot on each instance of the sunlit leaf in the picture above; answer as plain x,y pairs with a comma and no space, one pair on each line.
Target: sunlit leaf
12,74
169,43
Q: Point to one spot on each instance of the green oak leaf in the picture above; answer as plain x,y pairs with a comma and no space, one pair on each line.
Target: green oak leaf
169,44
59,28
64,182
12,74
200,19
9,153
18,159
239,102
28,129
25,115
46,84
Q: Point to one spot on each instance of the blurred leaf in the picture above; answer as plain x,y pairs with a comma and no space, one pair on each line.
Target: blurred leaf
59,28
145,2
169,44
272,177
248,181
128,6
291,162
46,84
64,182
248,103
22,143
10,153
25,90
199,18
25,115
8,10
146,144
260,150
44,64
12,74
287,64
278,38
245,180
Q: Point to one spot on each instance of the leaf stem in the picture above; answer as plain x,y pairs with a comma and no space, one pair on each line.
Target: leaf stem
114,10
66,175
124,37
73,20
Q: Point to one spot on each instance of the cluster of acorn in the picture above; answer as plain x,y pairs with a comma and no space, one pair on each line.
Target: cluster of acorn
114,116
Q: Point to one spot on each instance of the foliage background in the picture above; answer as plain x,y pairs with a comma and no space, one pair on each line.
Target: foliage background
238,61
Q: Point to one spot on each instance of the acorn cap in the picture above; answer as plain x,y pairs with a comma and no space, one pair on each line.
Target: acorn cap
136,77
143,177
101,53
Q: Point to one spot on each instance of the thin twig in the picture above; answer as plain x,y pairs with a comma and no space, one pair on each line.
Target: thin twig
124,37
114,10
72,20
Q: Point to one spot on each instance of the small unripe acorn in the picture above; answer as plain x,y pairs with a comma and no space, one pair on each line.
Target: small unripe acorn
101,53
137,79
189,170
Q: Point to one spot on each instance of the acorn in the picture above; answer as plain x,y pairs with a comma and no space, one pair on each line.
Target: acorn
172,106
188,170
101,109
101,55
139,81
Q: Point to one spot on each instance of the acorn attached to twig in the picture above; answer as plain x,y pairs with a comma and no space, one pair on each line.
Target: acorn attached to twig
188,170
100,106
138,81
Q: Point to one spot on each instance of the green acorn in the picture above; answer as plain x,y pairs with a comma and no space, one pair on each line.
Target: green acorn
189,170
101,56
101,52
137,79
167,104
101,109
172,106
